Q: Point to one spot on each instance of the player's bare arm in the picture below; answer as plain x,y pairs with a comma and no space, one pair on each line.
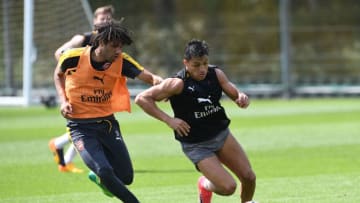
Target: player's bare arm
59,80
75,42
231,91
149,78
147,101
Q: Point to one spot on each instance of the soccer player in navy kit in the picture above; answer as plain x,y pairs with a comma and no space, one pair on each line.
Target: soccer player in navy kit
200,123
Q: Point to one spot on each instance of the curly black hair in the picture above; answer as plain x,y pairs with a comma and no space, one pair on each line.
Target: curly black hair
112,31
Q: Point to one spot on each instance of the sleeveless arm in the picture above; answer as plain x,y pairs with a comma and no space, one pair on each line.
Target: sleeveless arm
148,98
240,98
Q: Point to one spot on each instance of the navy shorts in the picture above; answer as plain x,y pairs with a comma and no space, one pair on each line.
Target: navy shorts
201,150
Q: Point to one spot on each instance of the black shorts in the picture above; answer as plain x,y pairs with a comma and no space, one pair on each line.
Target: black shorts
201,150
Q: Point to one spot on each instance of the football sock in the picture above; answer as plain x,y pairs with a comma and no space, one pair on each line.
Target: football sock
204,194
60,153
70,154
206,184
61,141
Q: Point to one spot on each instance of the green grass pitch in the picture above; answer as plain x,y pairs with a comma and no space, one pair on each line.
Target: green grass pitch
301,150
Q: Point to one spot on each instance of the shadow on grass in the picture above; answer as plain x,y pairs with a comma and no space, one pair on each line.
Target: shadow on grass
166,171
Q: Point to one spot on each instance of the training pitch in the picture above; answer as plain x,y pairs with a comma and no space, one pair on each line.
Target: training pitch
302,150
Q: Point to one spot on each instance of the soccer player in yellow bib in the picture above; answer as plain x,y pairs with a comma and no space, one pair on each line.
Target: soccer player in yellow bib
57,144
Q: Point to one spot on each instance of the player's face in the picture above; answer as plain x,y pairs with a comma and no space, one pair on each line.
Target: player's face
197,67
101,18
110,51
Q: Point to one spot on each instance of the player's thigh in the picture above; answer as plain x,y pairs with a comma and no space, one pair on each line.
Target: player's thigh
213,170
234,157
117,153
90,148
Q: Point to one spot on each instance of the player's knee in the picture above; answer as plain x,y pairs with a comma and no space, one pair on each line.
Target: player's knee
106,173
228,188
127,180
250,177
126,175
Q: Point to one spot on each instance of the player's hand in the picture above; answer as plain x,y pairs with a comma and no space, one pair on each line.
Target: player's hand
65,109
157,79
242,100
180,126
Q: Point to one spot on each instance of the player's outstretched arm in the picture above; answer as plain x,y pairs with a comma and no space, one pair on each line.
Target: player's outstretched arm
149,78
148,98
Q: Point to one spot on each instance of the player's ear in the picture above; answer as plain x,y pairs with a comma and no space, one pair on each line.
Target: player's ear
102,43
185,62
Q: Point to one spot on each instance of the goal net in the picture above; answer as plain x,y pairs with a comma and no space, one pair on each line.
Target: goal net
53,23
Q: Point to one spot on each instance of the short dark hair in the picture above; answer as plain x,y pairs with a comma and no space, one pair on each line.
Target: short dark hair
196,48
112,31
